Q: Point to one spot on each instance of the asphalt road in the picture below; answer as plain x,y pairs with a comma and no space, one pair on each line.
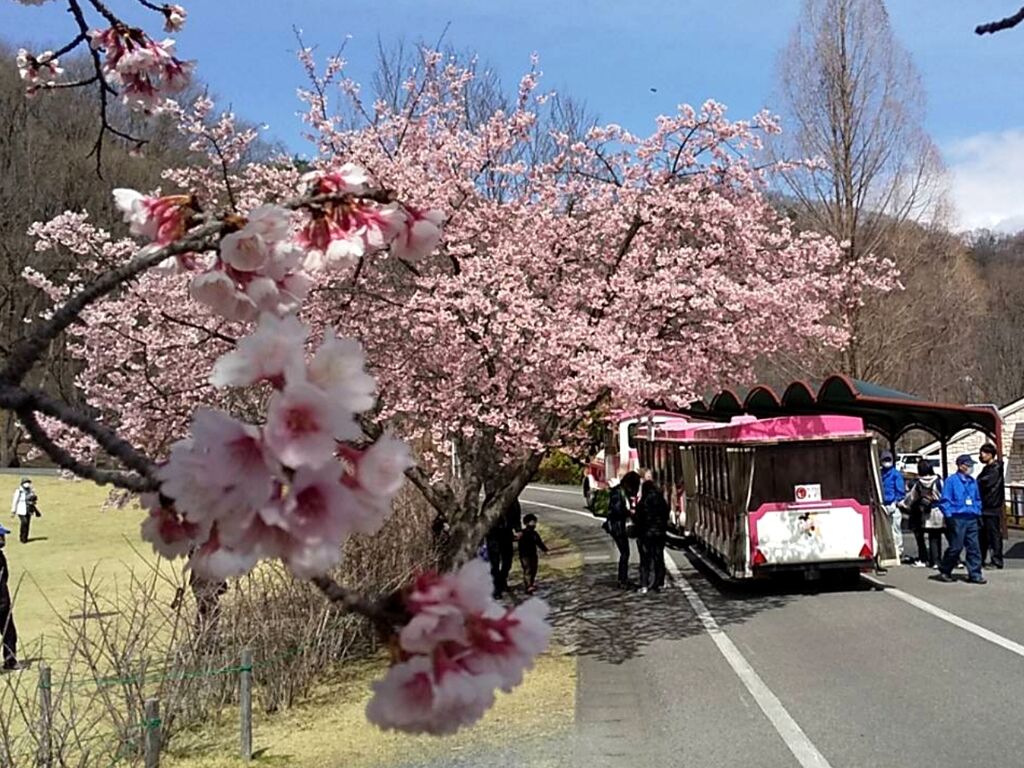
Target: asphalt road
708,674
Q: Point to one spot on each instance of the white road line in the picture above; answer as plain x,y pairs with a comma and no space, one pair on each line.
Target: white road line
789,731
799,744
554,490
560,509
952,618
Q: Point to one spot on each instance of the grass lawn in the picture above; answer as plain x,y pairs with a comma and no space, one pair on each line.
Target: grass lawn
75,536
331,730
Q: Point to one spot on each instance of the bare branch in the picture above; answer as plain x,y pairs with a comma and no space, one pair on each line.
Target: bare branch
24,401
386,612
65,460
998,26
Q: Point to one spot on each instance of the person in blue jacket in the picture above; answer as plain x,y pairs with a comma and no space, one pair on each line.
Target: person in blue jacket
894,491
961,505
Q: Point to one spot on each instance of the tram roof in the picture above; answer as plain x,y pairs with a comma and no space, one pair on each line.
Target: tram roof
887,411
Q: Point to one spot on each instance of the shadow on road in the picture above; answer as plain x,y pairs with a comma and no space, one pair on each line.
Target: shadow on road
599,620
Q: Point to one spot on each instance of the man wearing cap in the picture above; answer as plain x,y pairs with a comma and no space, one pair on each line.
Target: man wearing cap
961,505
894,490
993,499
9,633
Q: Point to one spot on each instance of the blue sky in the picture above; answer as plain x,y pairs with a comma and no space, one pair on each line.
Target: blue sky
610,54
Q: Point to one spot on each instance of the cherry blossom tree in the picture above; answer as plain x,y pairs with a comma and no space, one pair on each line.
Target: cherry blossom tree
257,360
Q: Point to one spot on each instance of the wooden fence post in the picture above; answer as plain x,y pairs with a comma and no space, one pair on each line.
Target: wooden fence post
245,702
45,718
151,733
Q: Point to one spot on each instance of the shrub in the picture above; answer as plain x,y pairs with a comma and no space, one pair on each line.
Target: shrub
559,468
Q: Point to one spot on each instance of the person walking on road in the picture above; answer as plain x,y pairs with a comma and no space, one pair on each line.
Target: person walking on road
926,514
894,491
961,504
618,520
993,499
652,515
7,630
25,506
501,546
529,542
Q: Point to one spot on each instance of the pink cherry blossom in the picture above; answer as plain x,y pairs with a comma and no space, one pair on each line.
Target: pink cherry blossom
314,510
380,469
144,70
303,426
273,352
218,291
338,368
468,589
174,18
506,646
164,527
419,236
221,471
159,219
349,178
458,646
250,248
217,562
417,697
36,71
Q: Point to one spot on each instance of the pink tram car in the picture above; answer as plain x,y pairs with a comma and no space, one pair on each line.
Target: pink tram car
757,497
619,454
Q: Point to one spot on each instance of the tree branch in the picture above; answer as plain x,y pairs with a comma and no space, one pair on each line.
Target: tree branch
65,460
26,403
386,612
998,26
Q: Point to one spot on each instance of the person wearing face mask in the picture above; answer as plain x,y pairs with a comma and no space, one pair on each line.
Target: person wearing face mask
961,505
7,629
894,490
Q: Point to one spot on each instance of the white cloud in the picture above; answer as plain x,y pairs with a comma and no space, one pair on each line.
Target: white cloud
987,180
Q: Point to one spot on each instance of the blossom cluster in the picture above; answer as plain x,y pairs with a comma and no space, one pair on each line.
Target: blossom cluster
37,71
234,493
263,266
458,648
146,71
340,233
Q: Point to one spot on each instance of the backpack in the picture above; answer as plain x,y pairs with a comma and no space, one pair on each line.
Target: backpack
926,497
931,515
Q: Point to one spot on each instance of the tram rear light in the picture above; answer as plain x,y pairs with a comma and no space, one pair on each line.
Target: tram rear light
866,553
759,558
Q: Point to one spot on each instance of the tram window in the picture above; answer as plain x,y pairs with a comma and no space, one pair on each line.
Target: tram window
631,433
842,469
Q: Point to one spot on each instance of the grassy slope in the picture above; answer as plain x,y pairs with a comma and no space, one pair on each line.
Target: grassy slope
73,536
331,730
76,535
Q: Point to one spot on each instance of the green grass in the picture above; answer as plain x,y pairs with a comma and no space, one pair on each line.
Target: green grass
75,536
330,729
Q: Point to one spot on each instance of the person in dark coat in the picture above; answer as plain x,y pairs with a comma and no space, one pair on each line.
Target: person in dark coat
651,518
619,499
7,628
923,500
501,545
993,499
529,542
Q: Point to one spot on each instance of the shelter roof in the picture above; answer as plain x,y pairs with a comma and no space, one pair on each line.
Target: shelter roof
887,411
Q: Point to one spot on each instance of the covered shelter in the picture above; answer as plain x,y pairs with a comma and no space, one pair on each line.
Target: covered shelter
888,412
